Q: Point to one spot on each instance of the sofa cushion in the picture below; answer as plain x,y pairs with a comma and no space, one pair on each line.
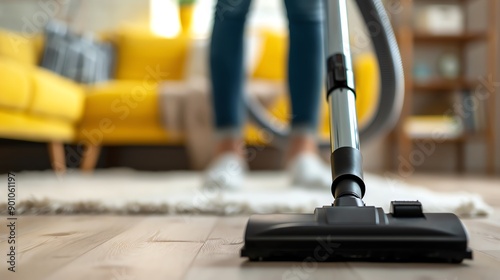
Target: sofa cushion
21,126
123,101
140,56
15,85
80,58
367,87
57,97
18,47
272,62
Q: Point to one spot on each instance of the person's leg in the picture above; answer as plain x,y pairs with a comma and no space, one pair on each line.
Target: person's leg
227,73
305,80
227,79
305,71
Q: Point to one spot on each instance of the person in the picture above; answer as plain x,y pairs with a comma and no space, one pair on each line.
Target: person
305,80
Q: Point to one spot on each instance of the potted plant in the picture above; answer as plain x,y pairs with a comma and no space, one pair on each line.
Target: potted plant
186,10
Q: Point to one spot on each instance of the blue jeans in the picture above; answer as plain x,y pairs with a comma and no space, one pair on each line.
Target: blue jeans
305,63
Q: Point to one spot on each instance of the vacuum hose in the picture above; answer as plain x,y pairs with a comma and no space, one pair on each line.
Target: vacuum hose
391,74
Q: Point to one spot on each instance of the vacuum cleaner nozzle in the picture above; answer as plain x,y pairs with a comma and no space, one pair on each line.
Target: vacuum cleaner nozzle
339,233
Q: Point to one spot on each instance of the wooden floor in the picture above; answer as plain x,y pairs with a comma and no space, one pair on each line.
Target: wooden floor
194,247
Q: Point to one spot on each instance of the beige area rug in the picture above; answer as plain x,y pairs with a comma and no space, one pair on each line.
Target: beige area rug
124,191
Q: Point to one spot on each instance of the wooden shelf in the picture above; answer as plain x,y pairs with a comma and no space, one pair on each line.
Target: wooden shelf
451,1
461,38
466,136
445,1
445,140
443,85
411,40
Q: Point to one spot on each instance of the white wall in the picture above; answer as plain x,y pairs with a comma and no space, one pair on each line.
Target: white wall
85,15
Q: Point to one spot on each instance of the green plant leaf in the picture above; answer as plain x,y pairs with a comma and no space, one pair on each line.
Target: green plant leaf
186,2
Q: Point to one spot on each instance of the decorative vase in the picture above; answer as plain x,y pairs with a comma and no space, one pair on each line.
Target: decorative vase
449,66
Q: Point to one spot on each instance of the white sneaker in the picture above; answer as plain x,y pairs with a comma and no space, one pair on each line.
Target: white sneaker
226,172
308,170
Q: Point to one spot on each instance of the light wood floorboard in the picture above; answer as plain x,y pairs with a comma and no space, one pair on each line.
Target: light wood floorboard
153,248
62,240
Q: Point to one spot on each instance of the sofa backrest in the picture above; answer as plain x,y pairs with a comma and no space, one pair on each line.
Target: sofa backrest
271,65
24,49
143,55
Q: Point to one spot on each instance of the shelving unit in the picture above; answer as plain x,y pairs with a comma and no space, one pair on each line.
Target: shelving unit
411,39
467,37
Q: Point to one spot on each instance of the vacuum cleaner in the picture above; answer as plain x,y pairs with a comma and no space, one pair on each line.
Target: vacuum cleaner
349,230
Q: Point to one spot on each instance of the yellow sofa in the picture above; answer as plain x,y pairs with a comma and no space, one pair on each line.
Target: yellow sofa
35,104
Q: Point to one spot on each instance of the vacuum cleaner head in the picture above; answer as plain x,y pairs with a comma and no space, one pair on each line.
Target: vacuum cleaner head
341,233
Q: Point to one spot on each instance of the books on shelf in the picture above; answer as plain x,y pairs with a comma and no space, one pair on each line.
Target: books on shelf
442,19
434,127
471,109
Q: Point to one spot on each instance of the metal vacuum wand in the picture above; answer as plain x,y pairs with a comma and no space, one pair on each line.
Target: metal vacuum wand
348,187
